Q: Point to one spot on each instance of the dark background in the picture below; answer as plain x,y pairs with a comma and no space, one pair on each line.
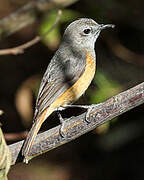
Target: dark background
112,151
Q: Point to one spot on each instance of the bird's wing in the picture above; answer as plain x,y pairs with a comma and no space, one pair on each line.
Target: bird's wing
58,77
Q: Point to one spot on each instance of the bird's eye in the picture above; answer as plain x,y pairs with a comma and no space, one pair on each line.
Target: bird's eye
87,31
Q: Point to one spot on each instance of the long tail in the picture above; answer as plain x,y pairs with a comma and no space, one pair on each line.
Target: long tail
30,139
31,136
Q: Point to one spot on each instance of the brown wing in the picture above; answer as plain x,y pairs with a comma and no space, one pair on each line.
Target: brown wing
59,76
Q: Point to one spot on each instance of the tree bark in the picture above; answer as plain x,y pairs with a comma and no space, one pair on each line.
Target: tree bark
77,126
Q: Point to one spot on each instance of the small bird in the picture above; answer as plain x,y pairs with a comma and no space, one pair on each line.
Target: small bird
68,74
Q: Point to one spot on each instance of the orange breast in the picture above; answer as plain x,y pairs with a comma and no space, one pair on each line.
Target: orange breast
78,89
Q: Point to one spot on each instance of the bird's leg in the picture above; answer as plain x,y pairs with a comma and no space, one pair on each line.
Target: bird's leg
88,107
62,124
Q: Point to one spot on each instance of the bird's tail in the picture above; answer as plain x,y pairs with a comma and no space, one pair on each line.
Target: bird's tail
30,139
32,135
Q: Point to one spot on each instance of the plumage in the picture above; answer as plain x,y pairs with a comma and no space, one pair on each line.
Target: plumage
68,75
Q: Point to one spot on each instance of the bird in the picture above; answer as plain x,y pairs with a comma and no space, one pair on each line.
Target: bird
68,74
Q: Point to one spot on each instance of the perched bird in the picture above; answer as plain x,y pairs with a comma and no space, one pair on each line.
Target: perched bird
68,74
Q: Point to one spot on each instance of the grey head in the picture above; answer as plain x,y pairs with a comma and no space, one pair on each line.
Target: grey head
83,33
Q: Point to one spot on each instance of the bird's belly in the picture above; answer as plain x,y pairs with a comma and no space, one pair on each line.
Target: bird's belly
80,86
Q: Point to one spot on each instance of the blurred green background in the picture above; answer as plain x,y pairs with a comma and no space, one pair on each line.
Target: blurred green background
112,151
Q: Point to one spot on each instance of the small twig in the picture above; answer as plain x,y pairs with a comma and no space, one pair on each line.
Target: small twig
20,49
54,25
77,126
28,14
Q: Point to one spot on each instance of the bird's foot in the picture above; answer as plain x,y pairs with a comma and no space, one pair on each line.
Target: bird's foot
87,117
88,107
62,124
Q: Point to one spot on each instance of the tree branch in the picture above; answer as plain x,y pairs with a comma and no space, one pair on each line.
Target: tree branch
28,14
77,126
20,49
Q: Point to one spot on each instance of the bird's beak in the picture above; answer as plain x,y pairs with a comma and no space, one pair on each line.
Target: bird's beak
104,26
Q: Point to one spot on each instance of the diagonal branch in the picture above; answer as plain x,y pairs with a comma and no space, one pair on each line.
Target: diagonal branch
28,15
20,49
77,126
